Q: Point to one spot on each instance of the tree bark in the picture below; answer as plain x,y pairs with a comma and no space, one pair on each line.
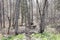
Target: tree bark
3,13
17,8
42,16
31,11
14,14
9,18
0,16
42,24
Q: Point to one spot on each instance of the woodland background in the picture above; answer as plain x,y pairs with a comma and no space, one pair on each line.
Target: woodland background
29,16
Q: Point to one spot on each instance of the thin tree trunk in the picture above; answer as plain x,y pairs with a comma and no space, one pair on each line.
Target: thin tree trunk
0,21
42,25
31,11
17,16
21,19
42,16
9,25
28,16
38,10
28,27
14,14
22,11
9,18
0,17
3,13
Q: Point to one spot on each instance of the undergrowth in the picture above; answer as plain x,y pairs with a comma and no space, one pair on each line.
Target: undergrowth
43,36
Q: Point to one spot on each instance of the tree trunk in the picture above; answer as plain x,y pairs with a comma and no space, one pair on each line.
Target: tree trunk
0,16
42,24
31,11
3,13
9,25
28,27
13,14
17,8
42,16
9,18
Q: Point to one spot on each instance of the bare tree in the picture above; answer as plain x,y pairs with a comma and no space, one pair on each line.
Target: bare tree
28,27
22,12
3,13
42,25
42,16
17,8
13,20
9,17
0,16
31,11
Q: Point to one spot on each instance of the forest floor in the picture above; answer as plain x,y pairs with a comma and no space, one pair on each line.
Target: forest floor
38,36
47,35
